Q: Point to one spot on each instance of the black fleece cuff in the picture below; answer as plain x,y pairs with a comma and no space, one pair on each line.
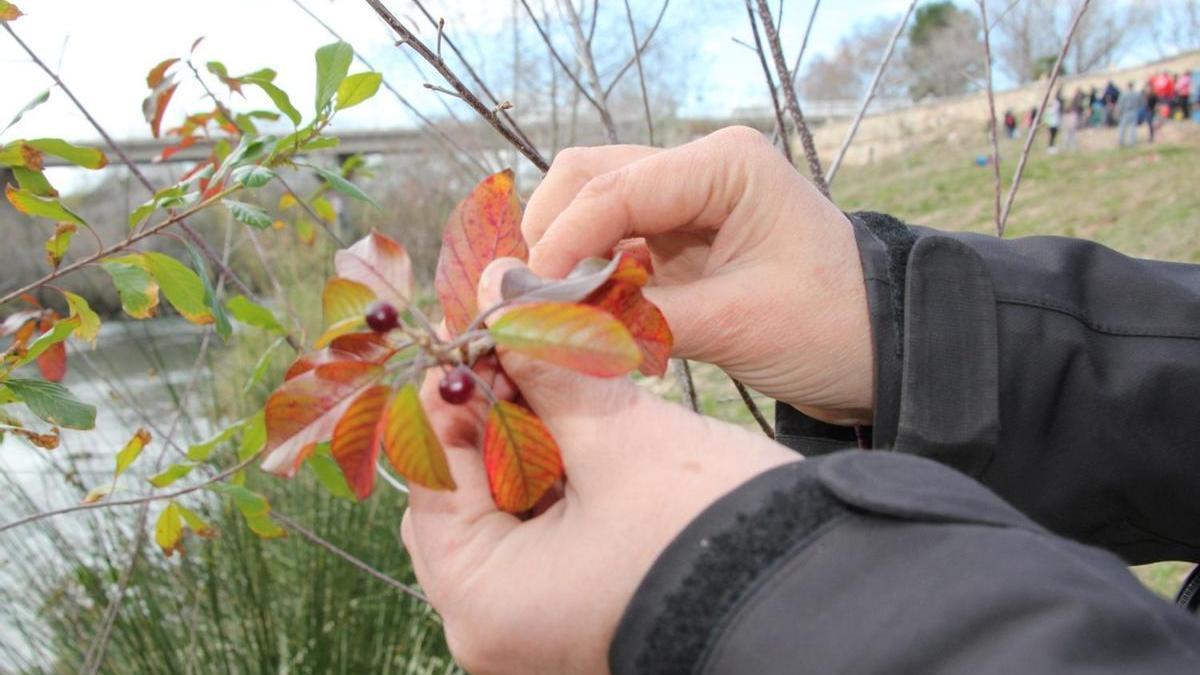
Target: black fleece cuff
709,567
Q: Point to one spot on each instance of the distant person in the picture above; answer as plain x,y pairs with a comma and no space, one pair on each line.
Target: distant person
1054,119
1164,92
1029,119
1147,113
1010,123
1074,119
1130,105
1111,94
1095,108
1183,94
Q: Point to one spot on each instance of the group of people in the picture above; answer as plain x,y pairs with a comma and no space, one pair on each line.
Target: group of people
1162,96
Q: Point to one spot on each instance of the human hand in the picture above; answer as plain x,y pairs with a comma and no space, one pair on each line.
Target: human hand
753,268
545,595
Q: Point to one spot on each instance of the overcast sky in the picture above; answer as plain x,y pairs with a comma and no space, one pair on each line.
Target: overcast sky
103,50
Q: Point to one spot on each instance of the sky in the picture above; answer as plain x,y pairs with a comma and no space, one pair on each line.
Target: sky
103,50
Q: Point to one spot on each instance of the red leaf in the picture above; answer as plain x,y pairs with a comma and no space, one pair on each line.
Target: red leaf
410,443
53,361
484,226
520,455
579,337
380,264
155,104
366,347
304,410
621,296
355,443
159,73
169,151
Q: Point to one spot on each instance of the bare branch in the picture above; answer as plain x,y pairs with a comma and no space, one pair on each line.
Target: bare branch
687,385
1037,119
461,89
993,131
637,55
559,59
793,104
812,19
584,53
641,50
862,110
753,408
781,134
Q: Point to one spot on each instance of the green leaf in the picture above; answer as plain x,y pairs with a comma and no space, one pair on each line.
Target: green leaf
222,325
255,509
195,522
261,366
88,158
53,403
200,452
320,143
34,181
140,213
253,314
181,286
249,214
138,290
252,175
278,96
337,182
254,436
333,62
37,100
59,243
132,450
89,321
42,207
60,331
170,474
328,473
357,88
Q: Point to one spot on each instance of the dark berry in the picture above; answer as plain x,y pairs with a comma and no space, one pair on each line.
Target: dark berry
382,316
457,386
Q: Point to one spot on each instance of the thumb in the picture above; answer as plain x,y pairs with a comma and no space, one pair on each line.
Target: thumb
568,402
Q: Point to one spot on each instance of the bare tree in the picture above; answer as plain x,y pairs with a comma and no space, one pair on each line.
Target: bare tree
846,72
942,58
1028,33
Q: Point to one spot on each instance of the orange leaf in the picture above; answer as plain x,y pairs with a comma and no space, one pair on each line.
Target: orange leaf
155,105
344,306
484,226
170,151
304,410
636,249
355,443
579,337
380,264
622,297
368,347
9,12
158,73
410,444
520,455
53,361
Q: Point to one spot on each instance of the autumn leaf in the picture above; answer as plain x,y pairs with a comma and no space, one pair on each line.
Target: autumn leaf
53,361
370,347
304,410
135,285
182,287
9,11
343,307
380,264
168,530
155,105
622,297
484,226
158,73
410,444
41,207
355,443
59,242
574,336
520,456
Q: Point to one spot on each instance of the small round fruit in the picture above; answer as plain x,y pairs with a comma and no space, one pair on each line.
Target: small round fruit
382,316
457,386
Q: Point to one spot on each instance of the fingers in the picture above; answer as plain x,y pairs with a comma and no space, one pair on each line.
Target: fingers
571,170
695,185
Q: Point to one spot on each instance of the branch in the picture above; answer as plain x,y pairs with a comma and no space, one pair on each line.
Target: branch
753,408
862,110
645,43
584,53
992,128
1037,119
637,55
316,539
563,64
687,385
461,89
793,104
812,18
780,127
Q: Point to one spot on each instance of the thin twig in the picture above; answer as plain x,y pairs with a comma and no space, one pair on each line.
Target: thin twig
662,11
467,95
559,59
1037,119
992,128
584,53
309,210
688,385
637,55
793,104
319,541
781,134
753,408
866,102
812,19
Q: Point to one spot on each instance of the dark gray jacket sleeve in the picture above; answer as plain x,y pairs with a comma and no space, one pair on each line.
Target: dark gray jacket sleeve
867,562
1061,374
